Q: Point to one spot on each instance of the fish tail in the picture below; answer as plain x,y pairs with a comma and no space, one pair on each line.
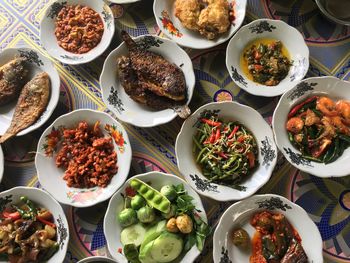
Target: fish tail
130,43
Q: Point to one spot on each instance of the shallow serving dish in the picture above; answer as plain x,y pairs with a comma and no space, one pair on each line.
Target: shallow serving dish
238,216
268,29
50,177
171,26
45,200
49,41
335,89
97,259
112,228
267,151
37,64
126,109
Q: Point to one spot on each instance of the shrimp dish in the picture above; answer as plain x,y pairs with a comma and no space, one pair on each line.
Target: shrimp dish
319,128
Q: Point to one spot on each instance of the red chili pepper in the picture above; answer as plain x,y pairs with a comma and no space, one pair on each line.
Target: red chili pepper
120,250
211,122
217,135
212,137
46,222
258,67
14,216
235,129
223,155
257,55
251,159
299,106
240,139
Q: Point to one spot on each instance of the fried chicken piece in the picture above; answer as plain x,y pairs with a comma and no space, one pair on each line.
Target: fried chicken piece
188,11
214,19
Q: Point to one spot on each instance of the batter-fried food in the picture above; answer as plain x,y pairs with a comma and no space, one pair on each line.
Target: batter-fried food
188,11
214,19
209,17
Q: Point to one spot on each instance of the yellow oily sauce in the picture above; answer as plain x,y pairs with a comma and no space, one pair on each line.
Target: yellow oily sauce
256,42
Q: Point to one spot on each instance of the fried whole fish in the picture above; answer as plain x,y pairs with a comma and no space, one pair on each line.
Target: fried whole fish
12,78
31,104
155,73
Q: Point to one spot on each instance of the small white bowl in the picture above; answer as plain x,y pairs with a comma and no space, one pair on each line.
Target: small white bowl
49,41
329,86
262,132
238,216
50,177
45,200
291,38
2,164
38,63
189,38
126,109
97,259
112,228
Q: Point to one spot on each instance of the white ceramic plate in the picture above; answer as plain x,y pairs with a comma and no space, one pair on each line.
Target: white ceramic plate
238,216
123,106
49,41
330,86
123,1
38,63
112,228
50,177
97,259
189,38
262,132
2,163
270,29
45,200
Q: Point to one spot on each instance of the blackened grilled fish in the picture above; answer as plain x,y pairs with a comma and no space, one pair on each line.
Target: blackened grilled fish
12,79
295,253
155,73
31,104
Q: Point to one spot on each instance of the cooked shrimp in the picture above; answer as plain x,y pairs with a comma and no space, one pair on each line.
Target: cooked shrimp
338,123
326,106
343,108
329,129
295,125
311,118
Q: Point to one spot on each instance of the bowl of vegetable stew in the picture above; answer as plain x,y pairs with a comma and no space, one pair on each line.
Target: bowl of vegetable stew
41,231
267,57
155,217
226,151
312,126
244,224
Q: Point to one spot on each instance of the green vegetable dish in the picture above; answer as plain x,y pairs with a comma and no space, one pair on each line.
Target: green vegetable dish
225,151
159,226
27,232
266,61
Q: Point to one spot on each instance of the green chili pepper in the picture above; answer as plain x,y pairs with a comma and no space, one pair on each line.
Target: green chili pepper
344,138
154,198
329,153
335,154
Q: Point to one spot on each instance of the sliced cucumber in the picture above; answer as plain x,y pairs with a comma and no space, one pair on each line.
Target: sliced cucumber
153,233
134,234
166,247
145,253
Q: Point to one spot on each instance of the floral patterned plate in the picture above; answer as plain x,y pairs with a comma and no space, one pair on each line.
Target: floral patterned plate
171,26
292,40
49,41
330,86
37,63
126,109
45,200
253,121
238,216
50,177
112,228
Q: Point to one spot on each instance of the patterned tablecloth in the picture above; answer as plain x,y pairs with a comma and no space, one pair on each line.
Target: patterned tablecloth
326,201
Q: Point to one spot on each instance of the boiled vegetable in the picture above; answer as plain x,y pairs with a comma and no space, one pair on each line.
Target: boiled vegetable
184,224
169,192
137,202
171,225
166,247
134,234
146,214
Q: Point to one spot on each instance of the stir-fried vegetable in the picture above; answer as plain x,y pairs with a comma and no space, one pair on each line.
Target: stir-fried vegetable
319,128
226,151
266,63
27,232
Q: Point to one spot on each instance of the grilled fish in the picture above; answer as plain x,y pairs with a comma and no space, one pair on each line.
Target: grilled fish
31,104
12,78
155,73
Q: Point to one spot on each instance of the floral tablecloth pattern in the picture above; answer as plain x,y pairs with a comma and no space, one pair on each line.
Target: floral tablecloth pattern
326,200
